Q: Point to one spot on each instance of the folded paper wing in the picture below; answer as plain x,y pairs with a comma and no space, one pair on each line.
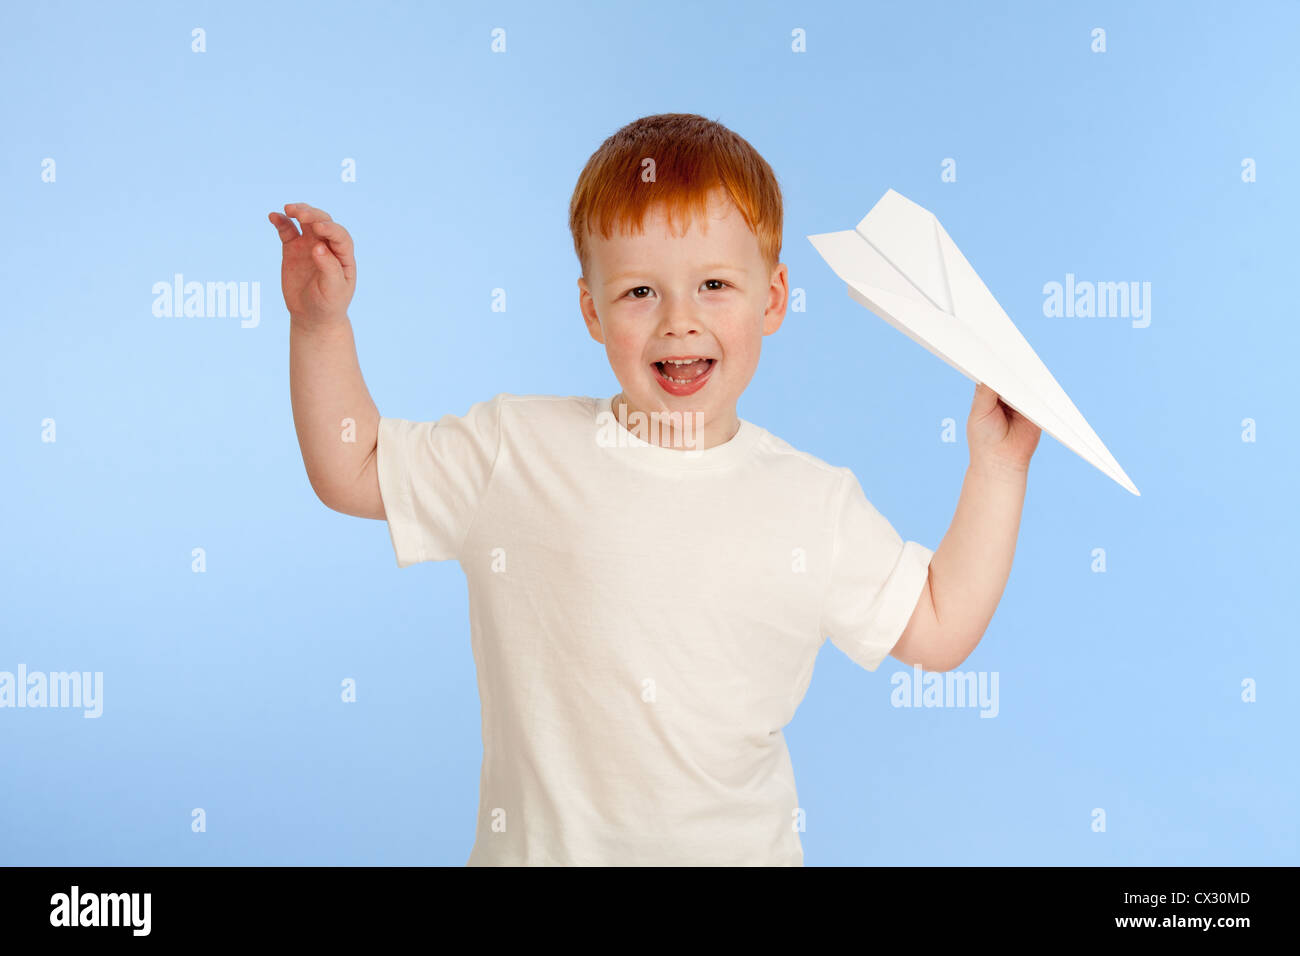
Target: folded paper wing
901,264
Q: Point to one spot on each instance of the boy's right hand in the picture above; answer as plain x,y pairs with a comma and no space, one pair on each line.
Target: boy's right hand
318,273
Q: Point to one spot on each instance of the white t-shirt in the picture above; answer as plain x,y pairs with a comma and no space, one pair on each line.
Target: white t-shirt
644,622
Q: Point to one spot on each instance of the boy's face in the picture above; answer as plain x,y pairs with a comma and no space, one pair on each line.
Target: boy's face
703,294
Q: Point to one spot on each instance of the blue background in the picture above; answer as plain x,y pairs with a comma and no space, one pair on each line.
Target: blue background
1119,690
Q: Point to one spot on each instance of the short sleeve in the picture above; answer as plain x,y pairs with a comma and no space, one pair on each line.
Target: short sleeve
432,478
875,580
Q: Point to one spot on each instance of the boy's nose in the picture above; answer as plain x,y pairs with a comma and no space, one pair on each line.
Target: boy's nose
679,320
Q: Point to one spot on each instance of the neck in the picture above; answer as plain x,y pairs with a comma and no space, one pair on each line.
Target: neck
685,430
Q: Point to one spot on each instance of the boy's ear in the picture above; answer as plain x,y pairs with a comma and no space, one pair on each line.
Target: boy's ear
587,306
777,299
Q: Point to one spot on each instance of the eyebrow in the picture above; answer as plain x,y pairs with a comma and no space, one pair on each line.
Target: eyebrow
711,267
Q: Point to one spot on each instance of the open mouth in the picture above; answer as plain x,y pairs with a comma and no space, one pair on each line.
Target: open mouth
683,376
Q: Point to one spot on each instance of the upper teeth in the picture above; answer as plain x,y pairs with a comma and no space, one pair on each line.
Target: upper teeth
680,381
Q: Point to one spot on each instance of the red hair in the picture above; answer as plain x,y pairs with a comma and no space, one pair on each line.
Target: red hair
693,156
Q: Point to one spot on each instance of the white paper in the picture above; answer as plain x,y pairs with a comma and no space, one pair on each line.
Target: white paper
901,264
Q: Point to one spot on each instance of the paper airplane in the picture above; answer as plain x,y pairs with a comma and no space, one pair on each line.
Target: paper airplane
901,264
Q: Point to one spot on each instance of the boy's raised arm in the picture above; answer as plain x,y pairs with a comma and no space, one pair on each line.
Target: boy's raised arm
318,275
970,568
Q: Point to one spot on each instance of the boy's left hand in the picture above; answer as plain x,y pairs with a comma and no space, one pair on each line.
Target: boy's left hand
998,434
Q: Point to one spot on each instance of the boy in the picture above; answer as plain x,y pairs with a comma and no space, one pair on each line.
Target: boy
650,577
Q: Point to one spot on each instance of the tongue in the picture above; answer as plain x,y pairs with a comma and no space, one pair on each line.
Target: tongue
693,370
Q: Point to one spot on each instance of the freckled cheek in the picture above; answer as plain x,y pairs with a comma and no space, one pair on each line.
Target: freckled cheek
739,347
740,359
625,358
625,349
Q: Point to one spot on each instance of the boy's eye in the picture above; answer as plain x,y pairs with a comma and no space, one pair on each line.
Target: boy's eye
633,292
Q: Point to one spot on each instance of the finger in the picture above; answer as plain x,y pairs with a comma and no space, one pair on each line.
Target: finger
985,401
306,213
327,264
340,244
1025,423
283,226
